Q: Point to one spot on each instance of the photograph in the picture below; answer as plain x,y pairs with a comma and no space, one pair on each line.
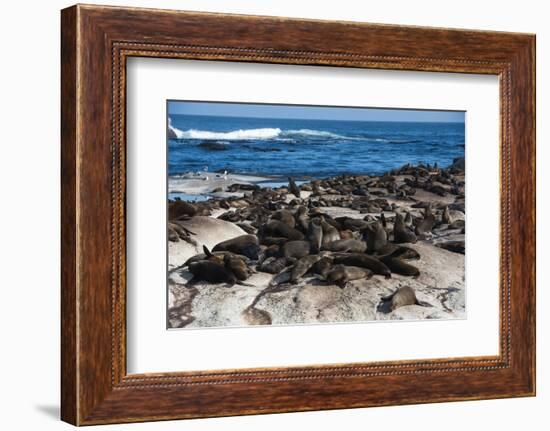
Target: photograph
299,214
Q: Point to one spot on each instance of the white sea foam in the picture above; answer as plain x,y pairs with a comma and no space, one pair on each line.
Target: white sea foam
179,134
253,134
267,133
319,133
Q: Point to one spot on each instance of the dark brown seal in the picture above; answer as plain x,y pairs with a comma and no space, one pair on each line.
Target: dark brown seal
273,265
402,297
285,216
400,267
293,188
212,272
330,233
322,266
376,236
427,223
181,209
246,245
401,233
274,240
454,246
346,246
302,266
277,228
217,256
363,261
296,249
342,274
302,218
237,266
315,235
446,216
255,316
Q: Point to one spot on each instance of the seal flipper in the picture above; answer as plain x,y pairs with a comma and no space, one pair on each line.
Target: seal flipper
242,283
191,283
206,251
423,303
388,297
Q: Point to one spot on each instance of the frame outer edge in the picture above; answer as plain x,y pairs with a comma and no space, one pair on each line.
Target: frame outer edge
87,397
69,196
523,217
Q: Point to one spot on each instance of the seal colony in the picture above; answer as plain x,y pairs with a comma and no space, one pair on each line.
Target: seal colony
341,249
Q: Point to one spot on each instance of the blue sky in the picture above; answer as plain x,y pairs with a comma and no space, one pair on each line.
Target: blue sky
311,112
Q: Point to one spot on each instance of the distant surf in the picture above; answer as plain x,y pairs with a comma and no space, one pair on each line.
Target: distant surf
266,133
306,148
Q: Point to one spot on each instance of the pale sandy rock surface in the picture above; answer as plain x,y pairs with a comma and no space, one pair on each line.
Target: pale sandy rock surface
207,231
440,284
440,287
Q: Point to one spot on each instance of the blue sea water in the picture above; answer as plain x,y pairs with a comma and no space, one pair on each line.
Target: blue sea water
307,148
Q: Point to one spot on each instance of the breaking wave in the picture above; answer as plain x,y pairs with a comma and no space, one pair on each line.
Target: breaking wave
177,132
252,134
246,134
276,134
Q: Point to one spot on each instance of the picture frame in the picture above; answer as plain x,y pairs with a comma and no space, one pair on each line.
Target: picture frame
96,42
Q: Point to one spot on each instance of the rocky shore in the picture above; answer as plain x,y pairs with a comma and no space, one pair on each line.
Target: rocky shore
351,248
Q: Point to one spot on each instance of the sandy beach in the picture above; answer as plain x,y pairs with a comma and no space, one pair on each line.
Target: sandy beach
358,213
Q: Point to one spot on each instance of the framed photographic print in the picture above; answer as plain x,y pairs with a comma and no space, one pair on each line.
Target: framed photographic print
264,215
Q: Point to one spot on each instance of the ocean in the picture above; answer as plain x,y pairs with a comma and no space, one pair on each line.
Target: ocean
307,149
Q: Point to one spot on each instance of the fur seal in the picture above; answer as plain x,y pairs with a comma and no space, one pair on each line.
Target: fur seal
212,272
401,233
363,261
408,219
296,249
332,222
246,245
273,265
400,267
346,234
376,236
279,229
346,246
454,246
383,220
330,233
181,209
285,216
293,188
247,228
402,297
177,232
272,251
457,224
315,235
255,316
322,266
217,256
301,218
237,266
352,223
405,253
302,266
341,274
427,223
446,216
270,241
